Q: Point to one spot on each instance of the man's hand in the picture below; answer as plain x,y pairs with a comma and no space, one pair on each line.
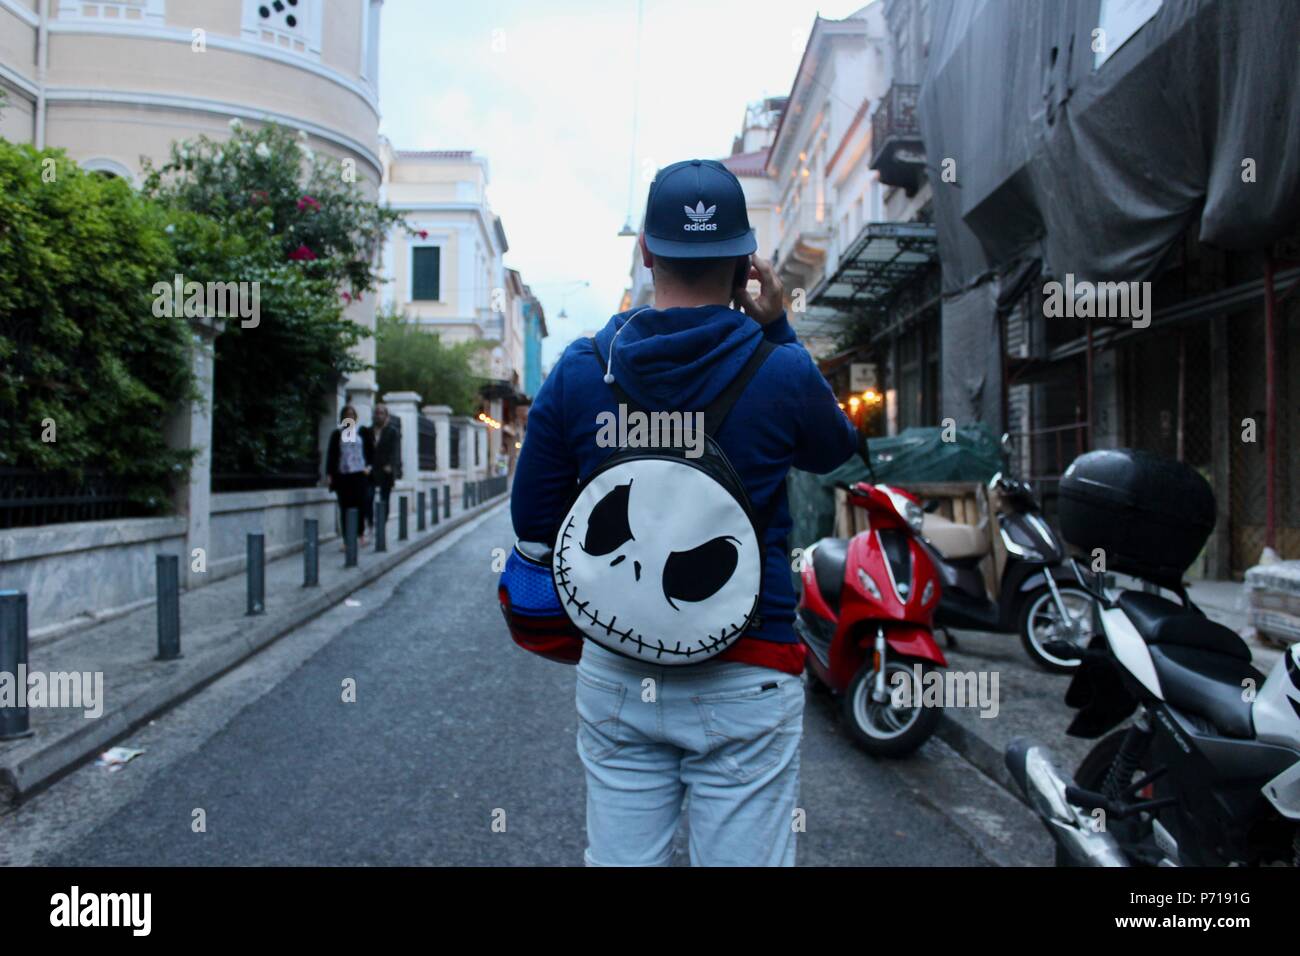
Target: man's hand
770,302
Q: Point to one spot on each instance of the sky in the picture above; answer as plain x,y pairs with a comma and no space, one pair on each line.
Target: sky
545,91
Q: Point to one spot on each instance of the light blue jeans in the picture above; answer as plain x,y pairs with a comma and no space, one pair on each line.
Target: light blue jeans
727,734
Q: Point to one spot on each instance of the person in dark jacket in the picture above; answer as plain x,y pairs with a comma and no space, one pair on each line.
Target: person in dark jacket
347,467
386,466
726,731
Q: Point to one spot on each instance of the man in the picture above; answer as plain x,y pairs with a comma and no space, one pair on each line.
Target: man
726,731
386,438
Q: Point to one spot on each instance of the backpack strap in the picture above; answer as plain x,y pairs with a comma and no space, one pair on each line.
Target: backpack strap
717,412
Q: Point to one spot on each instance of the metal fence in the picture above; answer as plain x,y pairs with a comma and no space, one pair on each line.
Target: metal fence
29,497
1048,452
305,475
428,444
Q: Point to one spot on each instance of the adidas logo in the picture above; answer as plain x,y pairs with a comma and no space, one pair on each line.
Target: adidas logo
700,218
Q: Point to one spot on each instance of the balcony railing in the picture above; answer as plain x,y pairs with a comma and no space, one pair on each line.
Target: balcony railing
897,150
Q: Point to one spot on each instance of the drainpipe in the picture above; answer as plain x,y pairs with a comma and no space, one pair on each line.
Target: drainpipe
1087,371
42,63
1270,406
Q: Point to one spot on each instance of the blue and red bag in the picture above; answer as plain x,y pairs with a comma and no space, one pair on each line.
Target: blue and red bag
531,605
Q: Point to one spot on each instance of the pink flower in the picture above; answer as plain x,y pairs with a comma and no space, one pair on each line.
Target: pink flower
302,254
347,297
307,202
424,234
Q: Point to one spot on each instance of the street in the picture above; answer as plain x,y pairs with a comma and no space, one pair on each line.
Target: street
451,725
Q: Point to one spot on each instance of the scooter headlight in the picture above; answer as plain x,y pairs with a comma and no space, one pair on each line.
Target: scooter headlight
868,584
1023,549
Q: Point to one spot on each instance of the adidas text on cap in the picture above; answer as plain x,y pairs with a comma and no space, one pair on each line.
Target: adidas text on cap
696,210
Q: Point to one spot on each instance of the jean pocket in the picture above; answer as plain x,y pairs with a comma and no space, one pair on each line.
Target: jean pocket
600,705
750,731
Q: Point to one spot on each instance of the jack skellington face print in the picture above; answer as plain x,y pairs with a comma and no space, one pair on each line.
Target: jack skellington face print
657,560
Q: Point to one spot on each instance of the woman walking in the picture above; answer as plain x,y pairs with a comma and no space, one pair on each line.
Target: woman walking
347,465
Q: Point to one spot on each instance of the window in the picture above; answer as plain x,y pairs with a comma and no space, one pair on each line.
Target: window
426,264
370,41
290,25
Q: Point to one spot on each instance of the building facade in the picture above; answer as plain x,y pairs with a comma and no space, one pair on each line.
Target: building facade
449,276
823,189
113,82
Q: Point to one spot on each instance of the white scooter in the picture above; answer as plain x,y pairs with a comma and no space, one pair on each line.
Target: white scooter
1207,771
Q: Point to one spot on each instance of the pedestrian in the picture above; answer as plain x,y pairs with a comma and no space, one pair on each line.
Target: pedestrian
723,733
347,467
386,467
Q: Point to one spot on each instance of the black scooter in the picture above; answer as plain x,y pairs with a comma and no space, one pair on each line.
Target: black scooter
1035,593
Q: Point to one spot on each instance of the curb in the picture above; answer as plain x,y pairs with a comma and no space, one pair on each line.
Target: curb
38,769
977,751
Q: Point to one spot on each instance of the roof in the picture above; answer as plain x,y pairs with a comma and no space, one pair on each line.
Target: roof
748,164
435,153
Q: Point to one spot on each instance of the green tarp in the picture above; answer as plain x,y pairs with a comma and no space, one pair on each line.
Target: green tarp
914,455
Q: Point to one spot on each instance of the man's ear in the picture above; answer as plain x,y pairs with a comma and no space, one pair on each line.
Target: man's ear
647,257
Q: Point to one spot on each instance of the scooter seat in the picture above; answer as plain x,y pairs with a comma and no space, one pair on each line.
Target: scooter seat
1207,684
953,539
829,557
1161,621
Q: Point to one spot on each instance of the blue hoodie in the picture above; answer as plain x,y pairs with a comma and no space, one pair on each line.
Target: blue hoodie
680,360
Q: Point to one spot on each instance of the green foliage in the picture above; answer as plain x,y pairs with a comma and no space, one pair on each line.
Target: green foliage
79,342
411,359
297,224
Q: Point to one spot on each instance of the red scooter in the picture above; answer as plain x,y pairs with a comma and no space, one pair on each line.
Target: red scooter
866,614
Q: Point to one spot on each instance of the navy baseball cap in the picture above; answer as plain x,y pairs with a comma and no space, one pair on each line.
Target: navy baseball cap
696,210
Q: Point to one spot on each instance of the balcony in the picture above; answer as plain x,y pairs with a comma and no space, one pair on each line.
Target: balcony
492,323
897,151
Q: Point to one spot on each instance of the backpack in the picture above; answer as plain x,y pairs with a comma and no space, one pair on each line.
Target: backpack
660,556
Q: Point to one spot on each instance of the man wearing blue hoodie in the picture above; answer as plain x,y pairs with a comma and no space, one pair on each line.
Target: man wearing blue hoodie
724,733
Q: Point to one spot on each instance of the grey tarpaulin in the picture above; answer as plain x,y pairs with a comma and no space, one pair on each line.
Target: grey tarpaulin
1097,171
914,455
971,361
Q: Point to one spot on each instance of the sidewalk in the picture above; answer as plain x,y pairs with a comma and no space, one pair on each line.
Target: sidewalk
216,636
1032,700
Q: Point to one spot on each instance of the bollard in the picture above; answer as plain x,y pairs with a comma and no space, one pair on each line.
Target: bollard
436,506
350,522
169,606
381,525
401,519
419,511
256,573
446,501
310,553
464,496
14,720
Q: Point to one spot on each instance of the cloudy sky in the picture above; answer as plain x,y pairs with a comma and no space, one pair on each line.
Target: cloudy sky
545,91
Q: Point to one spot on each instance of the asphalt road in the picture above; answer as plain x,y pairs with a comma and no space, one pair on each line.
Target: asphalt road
451,725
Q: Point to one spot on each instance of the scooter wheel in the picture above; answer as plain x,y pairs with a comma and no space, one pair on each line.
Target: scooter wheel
1040,625
880,728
